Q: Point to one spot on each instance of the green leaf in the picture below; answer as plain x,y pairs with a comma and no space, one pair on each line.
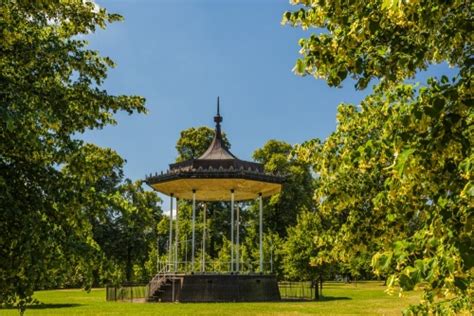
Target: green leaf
402,160
300,67
461,283
10,125
436,108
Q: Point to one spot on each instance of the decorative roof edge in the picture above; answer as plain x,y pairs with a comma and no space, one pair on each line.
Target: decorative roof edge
215,174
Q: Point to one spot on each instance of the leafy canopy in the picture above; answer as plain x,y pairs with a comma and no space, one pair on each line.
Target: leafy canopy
390,40
281,211
395,178
194,141
51,182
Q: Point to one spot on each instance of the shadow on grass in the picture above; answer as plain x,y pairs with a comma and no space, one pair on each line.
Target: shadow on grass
334,298
322,299
44,306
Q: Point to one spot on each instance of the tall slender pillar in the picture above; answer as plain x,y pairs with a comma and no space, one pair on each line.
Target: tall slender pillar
193,242
170,241
260,225
232,230
203,260
238,239
158,263
176,263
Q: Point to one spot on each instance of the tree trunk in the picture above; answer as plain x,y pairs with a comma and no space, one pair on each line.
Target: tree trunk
316,289
128,268
320,285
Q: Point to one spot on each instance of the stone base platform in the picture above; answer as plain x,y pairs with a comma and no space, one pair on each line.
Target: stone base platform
223,288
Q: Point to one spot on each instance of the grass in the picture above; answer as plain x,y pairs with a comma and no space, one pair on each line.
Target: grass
363,298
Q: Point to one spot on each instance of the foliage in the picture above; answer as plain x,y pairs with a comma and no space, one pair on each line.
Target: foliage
395,178
386,39
394,181
281,210
50,182
299,249
127,230
222,262
194,141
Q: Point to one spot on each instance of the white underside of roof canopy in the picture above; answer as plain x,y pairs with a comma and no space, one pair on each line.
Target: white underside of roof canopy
217,189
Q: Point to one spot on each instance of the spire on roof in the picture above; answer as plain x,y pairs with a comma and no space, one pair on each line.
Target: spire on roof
218,120
217,149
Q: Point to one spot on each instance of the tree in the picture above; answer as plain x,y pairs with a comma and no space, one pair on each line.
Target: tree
297,194
194,141
279,211
299,248
390,40
128,230
50,92
302,258
397,172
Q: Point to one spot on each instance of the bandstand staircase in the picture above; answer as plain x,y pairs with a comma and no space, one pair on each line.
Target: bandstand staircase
160,288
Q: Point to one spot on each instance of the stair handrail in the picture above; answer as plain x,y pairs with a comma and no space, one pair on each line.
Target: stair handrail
157,280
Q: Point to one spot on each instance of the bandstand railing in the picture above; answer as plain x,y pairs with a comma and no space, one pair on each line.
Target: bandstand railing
131,292
214,267
294,290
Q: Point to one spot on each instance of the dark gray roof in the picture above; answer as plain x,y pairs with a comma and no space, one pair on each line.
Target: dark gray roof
216,162
217,150
217,156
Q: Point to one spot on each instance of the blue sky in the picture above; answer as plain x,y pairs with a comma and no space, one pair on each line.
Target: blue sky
181,54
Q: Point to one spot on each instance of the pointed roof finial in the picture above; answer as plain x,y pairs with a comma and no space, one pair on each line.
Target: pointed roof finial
218,119
217,149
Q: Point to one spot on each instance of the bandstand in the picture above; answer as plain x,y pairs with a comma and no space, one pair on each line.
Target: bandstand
217,175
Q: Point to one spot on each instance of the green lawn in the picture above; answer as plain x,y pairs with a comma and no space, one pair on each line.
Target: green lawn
363,298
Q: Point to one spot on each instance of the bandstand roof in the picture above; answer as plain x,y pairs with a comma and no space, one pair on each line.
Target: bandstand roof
215,174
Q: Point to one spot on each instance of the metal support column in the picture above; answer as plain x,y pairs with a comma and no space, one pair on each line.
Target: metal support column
260,224
170,242
158,263
203,260
238,239
231,230
193,242
176,238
